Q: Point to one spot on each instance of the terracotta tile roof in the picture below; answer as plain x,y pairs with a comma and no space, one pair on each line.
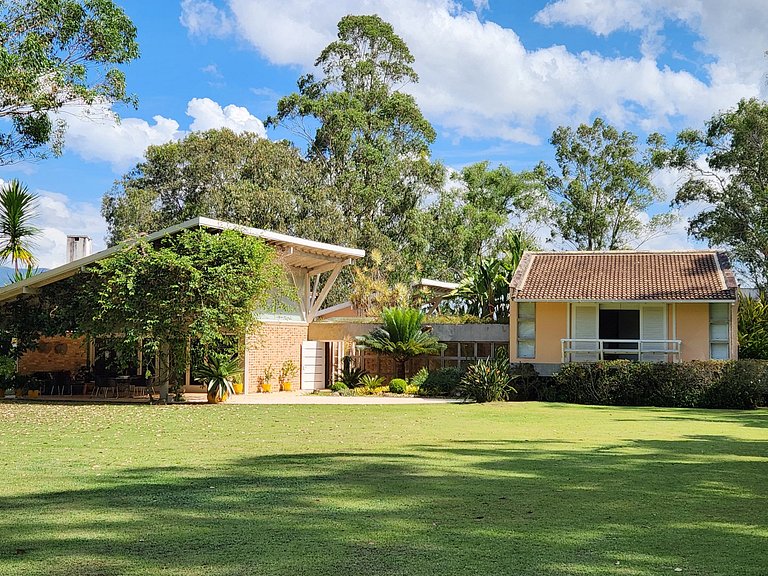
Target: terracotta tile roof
624,276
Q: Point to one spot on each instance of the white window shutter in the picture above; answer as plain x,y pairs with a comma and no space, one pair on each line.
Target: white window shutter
584,327
653,328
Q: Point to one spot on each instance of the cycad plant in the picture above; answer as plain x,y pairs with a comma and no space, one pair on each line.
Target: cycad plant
401,337
18,207
218,374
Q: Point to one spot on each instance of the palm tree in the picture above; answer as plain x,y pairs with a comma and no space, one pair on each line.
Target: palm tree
401,336
485,292
18,207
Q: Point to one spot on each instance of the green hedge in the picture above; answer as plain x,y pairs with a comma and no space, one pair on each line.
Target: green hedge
730,384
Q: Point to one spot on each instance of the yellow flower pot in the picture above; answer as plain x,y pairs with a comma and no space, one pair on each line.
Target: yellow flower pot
239,388
286,386
266,387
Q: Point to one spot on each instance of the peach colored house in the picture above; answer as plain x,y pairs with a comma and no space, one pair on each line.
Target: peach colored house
647,306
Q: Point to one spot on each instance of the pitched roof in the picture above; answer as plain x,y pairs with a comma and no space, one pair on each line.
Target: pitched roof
704,275
294,252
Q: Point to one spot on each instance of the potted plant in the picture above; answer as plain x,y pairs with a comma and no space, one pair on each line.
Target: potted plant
237,384
218,373
287,371
33,388
19,385
268,373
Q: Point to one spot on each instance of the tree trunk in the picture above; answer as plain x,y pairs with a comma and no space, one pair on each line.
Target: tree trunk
400,365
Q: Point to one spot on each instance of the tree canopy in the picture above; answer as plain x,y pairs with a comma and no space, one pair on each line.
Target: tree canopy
725,169
55,53
369,138
601,188
240,178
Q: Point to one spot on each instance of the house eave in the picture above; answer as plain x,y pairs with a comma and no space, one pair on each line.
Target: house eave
622,301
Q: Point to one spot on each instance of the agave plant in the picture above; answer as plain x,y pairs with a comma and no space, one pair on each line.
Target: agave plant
17,210
218,373
401,337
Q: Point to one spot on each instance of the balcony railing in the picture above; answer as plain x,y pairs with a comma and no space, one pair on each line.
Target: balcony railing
593,350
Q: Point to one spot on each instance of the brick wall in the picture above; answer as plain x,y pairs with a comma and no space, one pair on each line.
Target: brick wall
54,354
273,344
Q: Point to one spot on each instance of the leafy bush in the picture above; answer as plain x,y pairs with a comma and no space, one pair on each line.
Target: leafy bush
397,386
753,326
410,389
442,382
743,384
339,386
7,370
418,379
528,384
713,384
487,380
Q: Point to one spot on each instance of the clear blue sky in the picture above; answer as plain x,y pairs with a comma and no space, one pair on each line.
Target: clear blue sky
496,77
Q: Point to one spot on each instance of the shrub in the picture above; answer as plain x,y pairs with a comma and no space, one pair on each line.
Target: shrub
742,384
397,386
487,380
711,384
418,379
442,382
339,386
411,389
528,384
590,383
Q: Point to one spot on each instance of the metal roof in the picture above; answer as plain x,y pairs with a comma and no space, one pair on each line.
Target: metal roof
297,253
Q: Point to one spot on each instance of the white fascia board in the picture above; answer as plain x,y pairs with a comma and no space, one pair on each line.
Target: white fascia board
605,301
341,251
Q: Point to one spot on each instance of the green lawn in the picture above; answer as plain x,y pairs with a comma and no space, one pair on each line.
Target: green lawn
523,489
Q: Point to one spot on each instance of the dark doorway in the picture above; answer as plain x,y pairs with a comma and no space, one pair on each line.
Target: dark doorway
620,325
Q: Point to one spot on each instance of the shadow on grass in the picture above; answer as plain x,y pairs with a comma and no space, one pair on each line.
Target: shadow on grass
751,418
508,507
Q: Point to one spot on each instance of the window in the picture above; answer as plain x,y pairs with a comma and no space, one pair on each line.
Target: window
718,331
526,330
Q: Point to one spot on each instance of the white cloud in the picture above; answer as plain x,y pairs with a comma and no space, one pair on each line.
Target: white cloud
59,216
95,135
203,18
733,33
213,70
478,79
208,114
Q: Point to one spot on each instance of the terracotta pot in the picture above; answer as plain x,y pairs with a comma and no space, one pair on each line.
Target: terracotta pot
216,399
33,394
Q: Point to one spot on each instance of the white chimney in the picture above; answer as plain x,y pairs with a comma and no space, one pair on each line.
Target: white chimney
78,247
